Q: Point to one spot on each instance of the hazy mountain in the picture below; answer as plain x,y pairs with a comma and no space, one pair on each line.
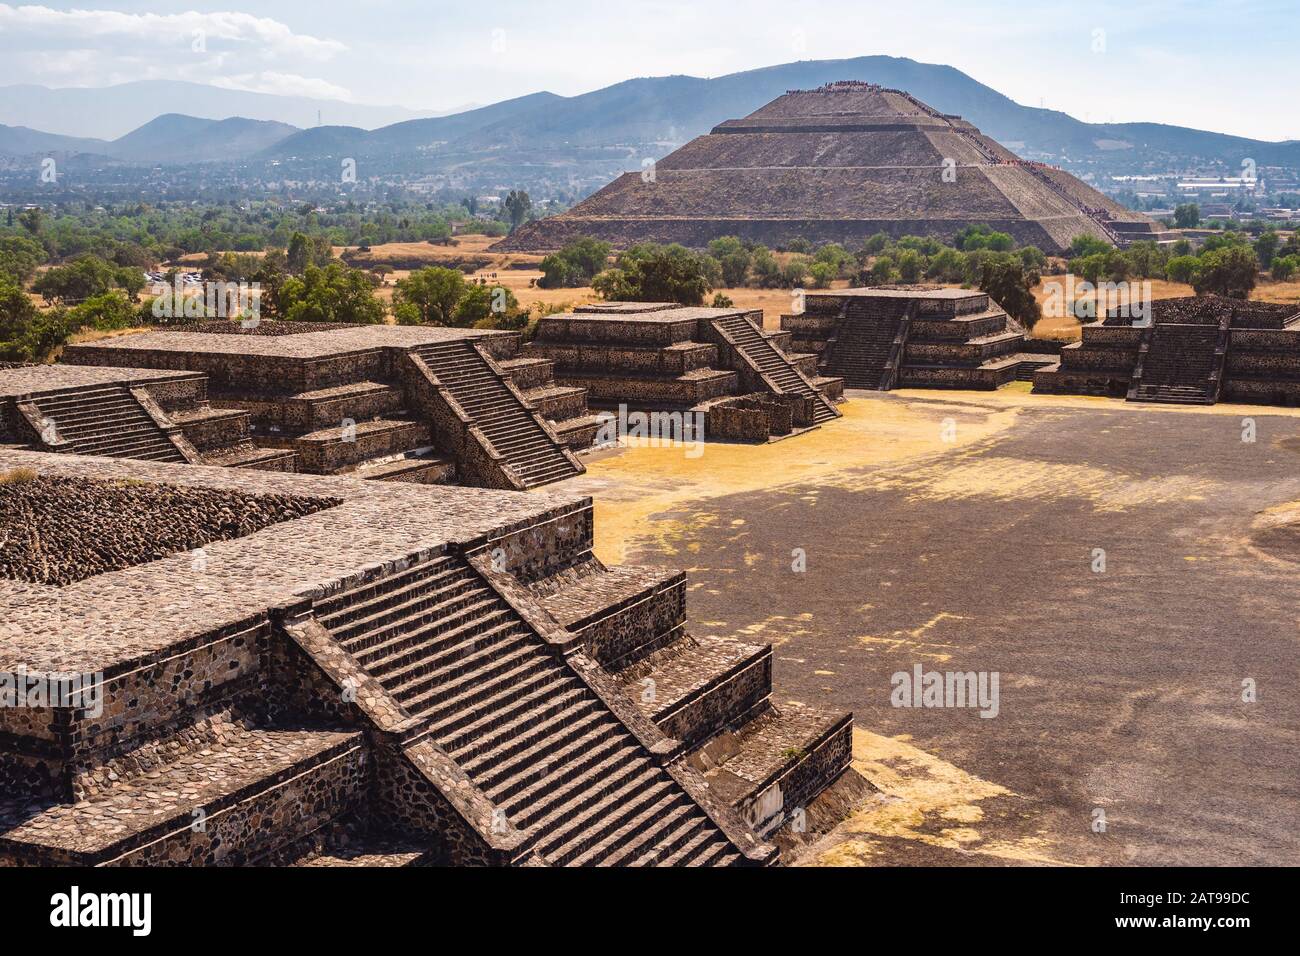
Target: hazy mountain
173,138
413,134
21,141
109,112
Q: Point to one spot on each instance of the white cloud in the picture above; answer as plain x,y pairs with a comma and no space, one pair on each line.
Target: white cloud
93,47
262,34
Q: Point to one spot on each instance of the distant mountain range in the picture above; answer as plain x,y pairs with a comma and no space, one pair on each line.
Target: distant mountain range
167,139
108,112
630,120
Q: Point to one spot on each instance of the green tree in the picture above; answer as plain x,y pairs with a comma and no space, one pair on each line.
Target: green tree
1266,247
733,260
429,296
1012,287
489,307
575,265
652,273
948,265
1284,267
1181,268
765,267
882,271
910,265
19,257
26,333
334,293
873,245
517,206
823,273
983,237
1085,245
795,271
31,219
836,256
1231,271
110,310
84,277
305,250
1187,215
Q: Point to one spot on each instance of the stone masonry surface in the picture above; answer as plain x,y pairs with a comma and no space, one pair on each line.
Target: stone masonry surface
56,530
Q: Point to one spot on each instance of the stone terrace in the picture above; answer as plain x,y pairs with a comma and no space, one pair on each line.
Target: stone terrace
919,337
388,678
393,403
1196,350
664,357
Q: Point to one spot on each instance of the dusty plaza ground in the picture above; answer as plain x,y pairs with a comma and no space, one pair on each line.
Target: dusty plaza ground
1121,691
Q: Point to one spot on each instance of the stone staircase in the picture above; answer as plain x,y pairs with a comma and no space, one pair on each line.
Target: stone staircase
774,364
513,429
505,706
1179,366
863,344
108,421
712,694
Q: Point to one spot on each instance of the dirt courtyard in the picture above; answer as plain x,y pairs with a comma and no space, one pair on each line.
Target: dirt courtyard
1128,572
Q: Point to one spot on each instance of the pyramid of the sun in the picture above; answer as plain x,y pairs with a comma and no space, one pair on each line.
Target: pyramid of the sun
838,164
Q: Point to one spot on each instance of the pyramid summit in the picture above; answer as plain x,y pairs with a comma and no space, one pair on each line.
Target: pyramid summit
837,164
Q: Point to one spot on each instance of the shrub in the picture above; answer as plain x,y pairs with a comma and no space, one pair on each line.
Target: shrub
1181,268
1284,267
822,274
1231,271
575,265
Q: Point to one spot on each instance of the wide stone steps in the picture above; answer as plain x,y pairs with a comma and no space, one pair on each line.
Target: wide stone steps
863,343
1179,365
512,429
508,709
107,422
554,798
774,364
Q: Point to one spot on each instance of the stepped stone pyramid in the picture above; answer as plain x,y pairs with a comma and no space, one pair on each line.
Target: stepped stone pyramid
1196,350
837,164
367,673
914,337
744,382
390,403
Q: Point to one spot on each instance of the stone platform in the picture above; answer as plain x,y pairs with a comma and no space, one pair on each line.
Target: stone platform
661,357
915,337
1196,350
394,403
407,675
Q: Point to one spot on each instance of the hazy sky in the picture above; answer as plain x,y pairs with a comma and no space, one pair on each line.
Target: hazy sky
1232,66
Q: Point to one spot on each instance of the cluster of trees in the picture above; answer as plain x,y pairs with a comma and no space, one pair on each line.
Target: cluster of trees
438,296
1229,263
575,265
140,233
